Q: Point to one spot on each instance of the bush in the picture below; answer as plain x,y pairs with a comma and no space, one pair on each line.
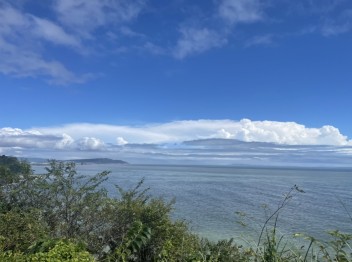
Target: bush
63,251
19,230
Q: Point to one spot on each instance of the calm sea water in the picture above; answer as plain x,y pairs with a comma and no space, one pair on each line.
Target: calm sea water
209,197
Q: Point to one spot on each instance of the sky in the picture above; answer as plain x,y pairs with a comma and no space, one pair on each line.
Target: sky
264,82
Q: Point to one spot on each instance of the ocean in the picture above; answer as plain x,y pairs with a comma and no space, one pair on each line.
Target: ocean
210,197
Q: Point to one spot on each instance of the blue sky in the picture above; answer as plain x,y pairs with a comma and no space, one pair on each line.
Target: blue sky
87,78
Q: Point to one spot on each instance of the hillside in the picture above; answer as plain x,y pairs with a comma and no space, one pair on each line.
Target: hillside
97,161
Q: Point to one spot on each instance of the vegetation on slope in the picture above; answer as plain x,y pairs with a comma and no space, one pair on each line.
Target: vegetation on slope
63,216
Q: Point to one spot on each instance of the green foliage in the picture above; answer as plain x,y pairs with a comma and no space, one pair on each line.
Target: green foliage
72,202
12,172
69,204
18,230
13,164
10,256
137,237
223,250
168,239
63,251
338,248
341,246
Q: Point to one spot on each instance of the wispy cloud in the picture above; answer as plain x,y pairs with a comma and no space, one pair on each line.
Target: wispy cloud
227,15
320,7
125,30
22,57
25,38
197,40
50,31
332,17
339,25
84,17
26,63
106,26
241,11
333,29
260,40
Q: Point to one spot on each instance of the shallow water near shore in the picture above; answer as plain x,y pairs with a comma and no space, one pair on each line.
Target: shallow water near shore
209,196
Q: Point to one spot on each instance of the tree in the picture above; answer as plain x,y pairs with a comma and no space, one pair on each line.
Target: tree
70,202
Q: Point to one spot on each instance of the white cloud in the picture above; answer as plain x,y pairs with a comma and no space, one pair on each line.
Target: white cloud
334,16
222,133
15,137
197,40
288,133
207,141
333,28
320,7
49,31
121,141
200,38
240,11
20,54
17,25
90,143
125,30
86,16
26,38
23,63
65,142
260,40
153,49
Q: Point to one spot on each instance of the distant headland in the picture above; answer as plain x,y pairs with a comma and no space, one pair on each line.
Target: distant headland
97,161
42,161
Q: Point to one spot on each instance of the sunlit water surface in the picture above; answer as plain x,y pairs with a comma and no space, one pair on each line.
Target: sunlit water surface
209,197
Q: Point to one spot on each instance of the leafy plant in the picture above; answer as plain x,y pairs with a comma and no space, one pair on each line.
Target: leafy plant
136,238
18,230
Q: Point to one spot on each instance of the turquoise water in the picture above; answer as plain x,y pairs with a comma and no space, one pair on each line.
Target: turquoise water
209,196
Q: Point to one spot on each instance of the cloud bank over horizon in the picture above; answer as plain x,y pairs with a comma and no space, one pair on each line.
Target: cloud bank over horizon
194,141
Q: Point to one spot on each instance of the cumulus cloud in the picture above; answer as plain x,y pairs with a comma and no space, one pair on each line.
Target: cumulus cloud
196,141
65,142
288,133
15,137
121,141
90,143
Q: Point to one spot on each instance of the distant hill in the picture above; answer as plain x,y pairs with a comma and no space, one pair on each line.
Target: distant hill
42,161
97,161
